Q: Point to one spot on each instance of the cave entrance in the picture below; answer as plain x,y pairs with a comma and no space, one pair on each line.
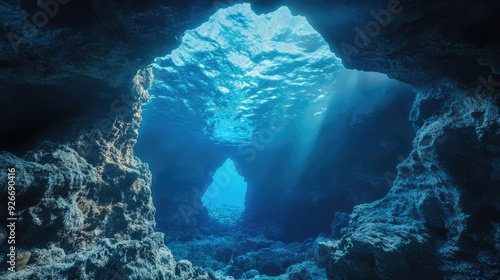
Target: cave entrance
242,86
264,95
225,197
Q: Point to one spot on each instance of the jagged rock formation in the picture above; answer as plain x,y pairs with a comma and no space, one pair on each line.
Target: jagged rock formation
84,205
440,220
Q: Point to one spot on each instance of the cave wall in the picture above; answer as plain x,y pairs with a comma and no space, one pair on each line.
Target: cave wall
430,221
440,220
83,41
84,206
63,59
84,200
445,197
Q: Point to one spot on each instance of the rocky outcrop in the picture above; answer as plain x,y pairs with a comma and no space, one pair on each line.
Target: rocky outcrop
440,220
84,206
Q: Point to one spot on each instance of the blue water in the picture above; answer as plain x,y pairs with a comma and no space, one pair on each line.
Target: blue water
258,137
226,194
228,75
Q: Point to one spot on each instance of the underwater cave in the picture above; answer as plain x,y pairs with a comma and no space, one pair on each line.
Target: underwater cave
260,102
250,139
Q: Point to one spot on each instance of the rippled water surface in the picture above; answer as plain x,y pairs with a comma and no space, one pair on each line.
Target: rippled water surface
227,77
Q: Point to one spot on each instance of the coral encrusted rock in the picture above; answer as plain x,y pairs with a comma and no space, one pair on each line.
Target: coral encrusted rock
84,206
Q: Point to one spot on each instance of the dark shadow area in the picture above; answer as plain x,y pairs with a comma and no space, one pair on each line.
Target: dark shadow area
43,111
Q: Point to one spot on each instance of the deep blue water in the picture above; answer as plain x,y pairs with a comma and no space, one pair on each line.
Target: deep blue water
231,73
256,130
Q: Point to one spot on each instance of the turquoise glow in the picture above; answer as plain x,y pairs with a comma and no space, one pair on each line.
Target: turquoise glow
225,198
228,75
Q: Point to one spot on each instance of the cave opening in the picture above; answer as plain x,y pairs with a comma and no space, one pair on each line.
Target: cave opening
225,197
303,138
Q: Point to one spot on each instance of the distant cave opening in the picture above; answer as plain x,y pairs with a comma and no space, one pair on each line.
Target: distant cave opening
225,197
